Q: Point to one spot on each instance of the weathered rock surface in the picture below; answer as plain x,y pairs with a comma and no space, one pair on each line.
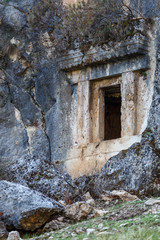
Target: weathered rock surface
106,198
24,208
30,103
135,169
99,212
123,195
54,225
43,177
14,18
3,231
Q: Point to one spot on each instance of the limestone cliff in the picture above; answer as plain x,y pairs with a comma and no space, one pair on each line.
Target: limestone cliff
38,109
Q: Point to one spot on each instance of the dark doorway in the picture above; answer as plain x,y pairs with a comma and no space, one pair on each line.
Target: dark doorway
112,118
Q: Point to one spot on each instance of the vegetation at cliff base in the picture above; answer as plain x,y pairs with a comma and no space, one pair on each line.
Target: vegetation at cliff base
143,226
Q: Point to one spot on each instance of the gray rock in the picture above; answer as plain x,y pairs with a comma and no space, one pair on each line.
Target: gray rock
90,231
40,145
24,208
22,5
54,225
3,94
1,11
151,202
45,86
147,8
14,235
13,136
43,98
31,114
41,176
58,127
134,169
3,231
14,18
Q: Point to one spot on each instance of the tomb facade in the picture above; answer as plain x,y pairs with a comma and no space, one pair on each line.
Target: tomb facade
111,97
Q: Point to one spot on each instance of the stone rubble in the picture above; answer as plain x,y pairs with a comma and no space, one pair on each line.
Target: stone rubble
99,228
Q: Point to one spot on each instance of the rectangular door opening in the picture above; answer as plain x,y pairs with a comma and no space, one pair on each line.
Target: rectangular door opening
112,112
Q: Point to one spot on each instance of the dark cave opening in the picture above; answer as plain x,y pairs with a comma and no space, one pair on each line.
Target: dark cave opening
112,118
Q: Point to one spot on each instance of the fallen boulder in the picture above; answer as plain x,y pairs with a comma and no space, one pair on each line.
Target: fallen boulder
123,195
78,211
118,195
135,170
24,208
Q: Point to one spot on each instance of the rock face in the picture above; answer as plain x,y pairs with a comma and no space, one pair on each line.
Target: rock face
31,100
24,208
29,90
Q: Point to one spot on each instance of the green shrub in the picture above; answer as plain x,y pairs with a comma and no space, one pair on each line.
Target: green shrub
88,23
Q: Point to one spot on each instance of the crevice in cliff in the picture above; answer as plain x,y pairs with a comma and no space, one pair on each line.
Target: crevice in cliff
17,8
19,118
42,122
43,125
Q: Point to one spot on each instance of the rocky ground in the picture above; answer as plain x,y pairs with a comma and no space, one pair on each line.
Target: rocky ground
109,219
131,220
